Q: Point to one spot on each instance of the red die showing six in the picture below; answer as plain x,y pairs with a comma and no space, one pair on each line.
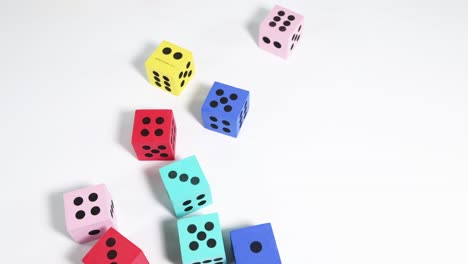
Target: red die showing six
112,247
154,134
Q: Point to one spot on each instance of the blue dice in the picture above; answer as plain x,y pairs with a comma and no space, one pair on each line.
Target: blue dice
225,109
255,245
201,240
186,186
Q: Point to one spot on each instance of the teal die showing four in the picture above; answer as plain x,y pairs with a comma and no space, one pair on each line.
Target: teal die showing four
186,186
201,240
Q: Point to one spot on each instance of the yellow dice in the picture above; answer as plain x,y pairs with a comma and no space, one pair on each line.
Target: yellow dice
170,67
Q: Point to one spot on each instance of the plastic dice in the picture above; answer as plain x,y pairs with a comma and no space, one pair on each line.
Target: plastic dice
201,240
154,134
225,109
89,213
280,31
170,67
114,248
255,244
186,186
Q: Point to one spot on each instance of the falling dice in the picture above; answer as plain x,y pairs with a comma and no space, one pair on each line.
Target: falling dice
201,240
114,248
186,186
154,134
255,244
225,109
170,67
280,31
89,213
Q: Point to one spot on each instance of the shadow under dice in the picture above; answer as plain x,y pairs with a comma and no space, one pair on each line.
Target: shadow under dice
201,240
154,134
255,244
170,67
113,248
89,213
186,186
280,31
225,109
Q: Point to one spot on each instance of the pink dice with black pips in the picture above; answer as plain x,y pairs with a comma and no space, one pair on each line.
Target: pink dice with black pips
89,213
280,31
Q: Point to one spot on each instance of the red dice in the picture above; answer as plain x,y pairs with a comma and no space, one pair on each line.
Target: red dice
112,247
154,134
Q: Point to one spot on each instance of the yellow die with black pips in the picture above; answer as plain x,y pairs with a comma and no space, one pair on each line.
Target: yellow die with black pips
170,67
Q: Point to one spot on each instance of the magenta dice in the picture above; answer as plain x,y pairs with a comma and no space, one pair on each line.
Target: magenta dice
280,31
89,213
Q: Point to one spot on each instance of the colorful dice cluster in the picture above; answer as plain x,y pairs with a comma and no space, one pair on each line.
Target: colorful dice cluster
89,212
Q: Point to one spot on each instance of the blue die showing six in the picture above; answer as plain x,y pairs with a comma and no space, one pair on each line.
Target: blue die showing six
225,109
254,245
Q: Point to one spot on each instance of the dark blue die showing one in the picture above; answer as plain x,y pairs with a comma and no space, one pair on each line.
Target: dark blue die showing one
255,245
225,109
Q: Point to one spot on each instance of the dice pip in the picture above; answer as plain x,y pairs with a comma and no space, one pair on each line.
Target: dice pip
114,248
89,213
186,186
170,67
154,134
201,240
255,244
225,109
280,31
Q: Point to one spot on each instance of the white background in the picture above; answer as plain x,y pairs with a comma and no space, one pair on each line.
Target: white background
355,148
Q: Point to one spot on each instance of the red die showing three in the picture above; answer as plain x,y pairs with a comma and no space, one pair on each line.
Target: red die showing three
154,134
112,248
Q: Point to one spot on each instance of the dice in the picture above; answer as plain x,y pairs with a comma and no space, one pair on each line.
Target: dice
170,67
89,213
201,240
186,186
280,31
154,134
113,248
255,244
225,108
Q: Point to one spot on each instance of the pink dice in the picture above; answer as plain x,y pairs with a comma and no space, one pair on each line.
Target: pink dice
280,31
89,213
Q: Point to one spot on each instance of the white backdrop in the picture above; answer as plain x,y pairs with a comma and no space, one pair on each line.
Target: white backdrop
355,148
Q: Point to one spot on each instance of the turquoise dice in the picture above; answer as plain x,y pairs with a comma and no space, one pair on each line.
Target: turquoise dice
201,240
186,186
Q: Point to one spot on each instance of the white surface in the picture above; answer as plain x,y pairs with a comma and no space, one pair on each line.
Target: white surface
355,148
